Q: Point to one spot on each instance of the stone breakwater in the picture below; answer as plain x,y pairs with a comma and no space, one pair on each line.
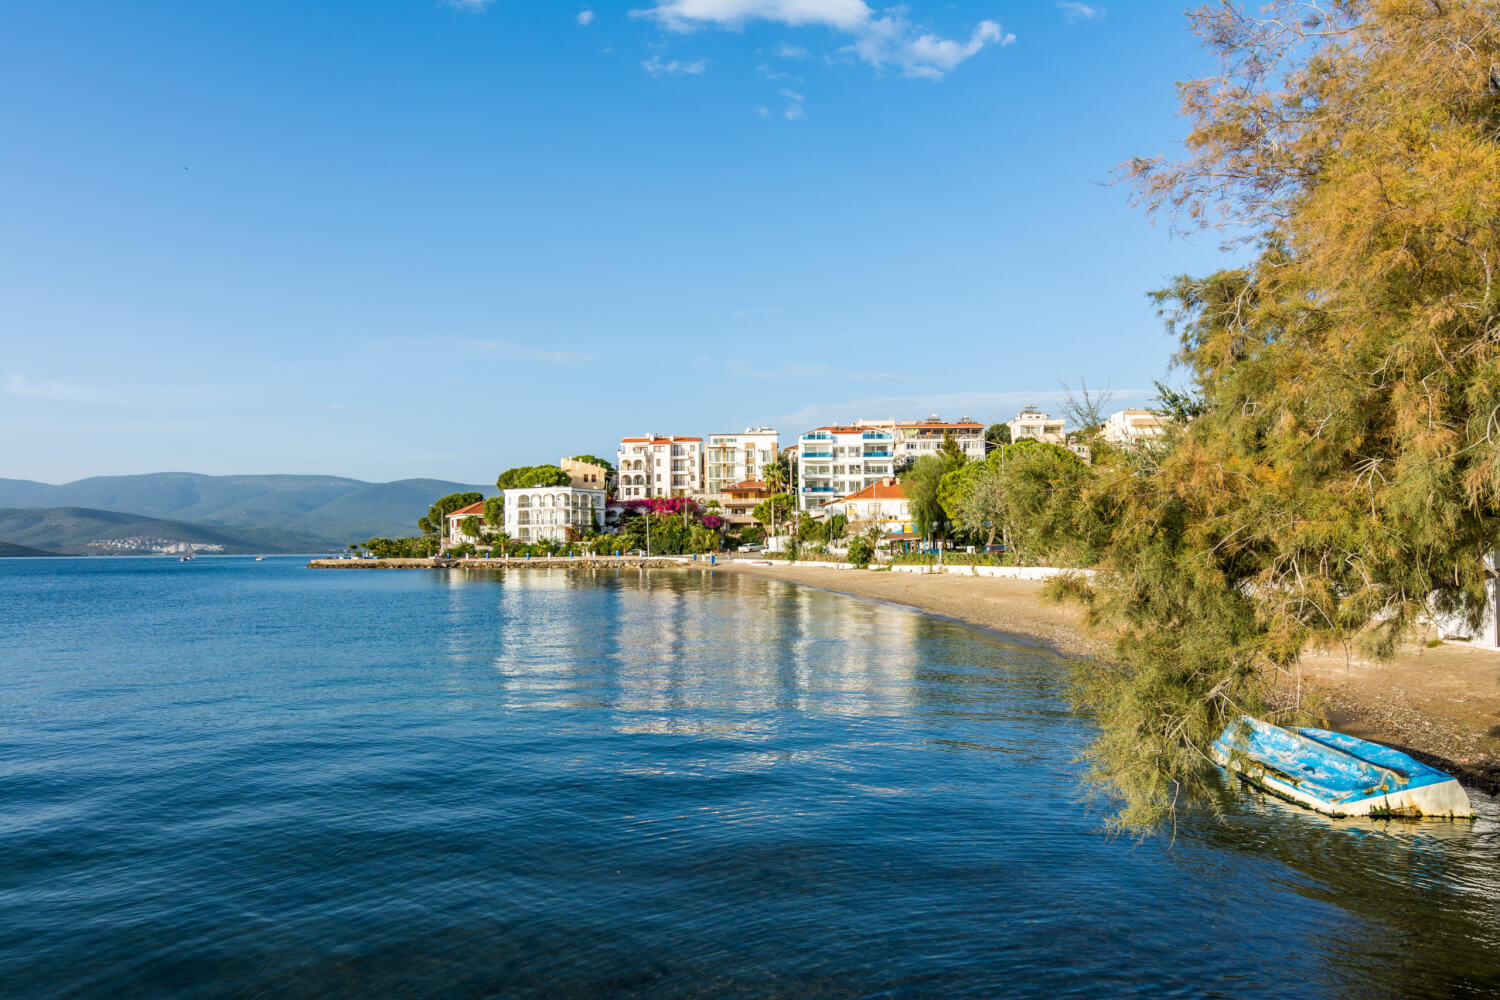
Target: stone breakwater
541,562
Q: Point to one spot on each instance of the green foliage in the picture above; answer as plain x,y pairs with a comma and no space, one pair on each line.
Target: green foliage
494,511
1068,587
921,483
997,434
526,476
1342,476
861,552
470,526
437,514
784,506
402,548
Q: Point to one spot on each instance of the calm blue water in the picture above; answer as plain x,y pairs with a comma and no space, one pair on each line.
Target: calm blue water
230,778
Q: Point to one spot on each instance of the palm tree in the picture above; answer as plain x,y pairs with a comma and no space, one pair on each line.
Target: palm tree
501,539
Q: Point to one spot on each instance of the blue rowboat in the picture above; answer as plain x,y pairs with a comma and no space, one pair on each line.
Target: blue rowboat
1338,774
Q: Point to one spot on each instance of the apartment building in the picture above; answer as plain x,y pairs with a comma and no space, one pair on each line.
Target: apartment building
915,438
735,458
738,501
584,475
535,513
1036,425
836,461
659,465
1128,428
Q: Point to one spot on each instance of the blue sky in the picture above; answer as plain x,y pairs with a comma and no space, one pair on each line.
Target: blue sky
395,239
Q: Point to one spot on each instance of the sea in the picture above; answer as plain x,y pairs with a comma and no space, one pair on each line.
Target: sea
231,778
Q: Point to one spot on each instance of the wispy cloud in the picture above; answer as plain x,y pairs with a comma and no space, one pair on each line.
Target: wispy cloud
889,40
656,67
805,370
763,111
46,388
794,110
775,74
893,42
482,347
472,6
585,17
786,51
1075,12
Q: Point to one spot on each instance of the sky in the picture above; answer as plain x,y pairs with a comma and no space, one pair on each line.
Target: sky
398,238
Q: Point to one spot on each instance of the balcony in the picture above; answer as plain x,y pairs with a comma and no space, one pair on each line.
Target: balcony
877,454
817,436
817,454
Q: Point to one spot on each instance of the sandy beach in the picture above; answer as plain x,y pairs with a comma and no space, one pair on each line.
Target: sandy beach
1441,703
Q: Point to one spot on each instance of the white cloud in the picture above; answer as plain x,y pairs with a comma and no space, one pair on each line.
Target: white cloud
763,111
472,6
46,388
585,17
794,110
785,51
656,67
893,41
1075,12
793,370
687,15
889,40
771,74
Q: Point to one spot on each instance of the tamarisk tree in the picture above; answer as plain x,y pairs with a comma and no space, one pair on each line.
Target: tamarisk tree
1342,477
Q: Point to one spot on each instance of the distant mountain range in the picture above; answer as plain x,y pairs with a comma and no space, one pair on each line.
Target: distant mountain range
242,513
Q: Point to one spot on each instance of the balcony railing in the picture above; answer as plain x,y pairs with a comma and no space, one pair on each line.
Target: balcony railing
817,454
877,454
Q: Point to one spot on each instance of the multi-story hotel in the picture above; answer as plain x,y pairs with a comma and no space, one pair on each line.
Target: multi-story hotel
915,438
547,512
659,465
836,461
736,458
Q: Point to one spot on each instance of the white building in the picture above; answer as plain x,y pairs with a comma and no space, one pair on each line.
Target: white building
736,458
1032,423
916,438
881,505
836,461
659,465
535,513
1132,427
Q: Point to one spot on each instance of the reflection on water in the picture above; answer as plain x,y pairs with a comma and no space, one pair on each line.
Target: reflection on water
245,778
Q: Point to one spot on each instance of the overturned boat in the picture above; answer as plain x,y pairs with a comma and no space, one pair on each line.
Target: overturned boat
1338,774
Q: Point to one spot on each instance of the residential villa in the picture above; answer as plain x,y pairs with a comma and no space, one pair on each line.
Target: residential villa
585,475
881,505
659,465
1032,423
455,533
536,513
836,461
916,438
735,458
1129,428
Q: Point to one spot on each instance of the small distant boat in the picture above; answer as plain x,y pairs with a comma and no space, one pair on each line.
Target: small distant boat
260,558
1338,774
187,558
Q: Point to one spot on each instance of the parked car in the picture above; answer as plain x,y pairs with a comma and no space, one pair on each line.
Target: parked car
752,548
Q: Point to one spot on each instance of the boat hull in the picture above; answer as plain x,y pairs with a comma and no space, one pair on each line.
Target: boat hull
1337,774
